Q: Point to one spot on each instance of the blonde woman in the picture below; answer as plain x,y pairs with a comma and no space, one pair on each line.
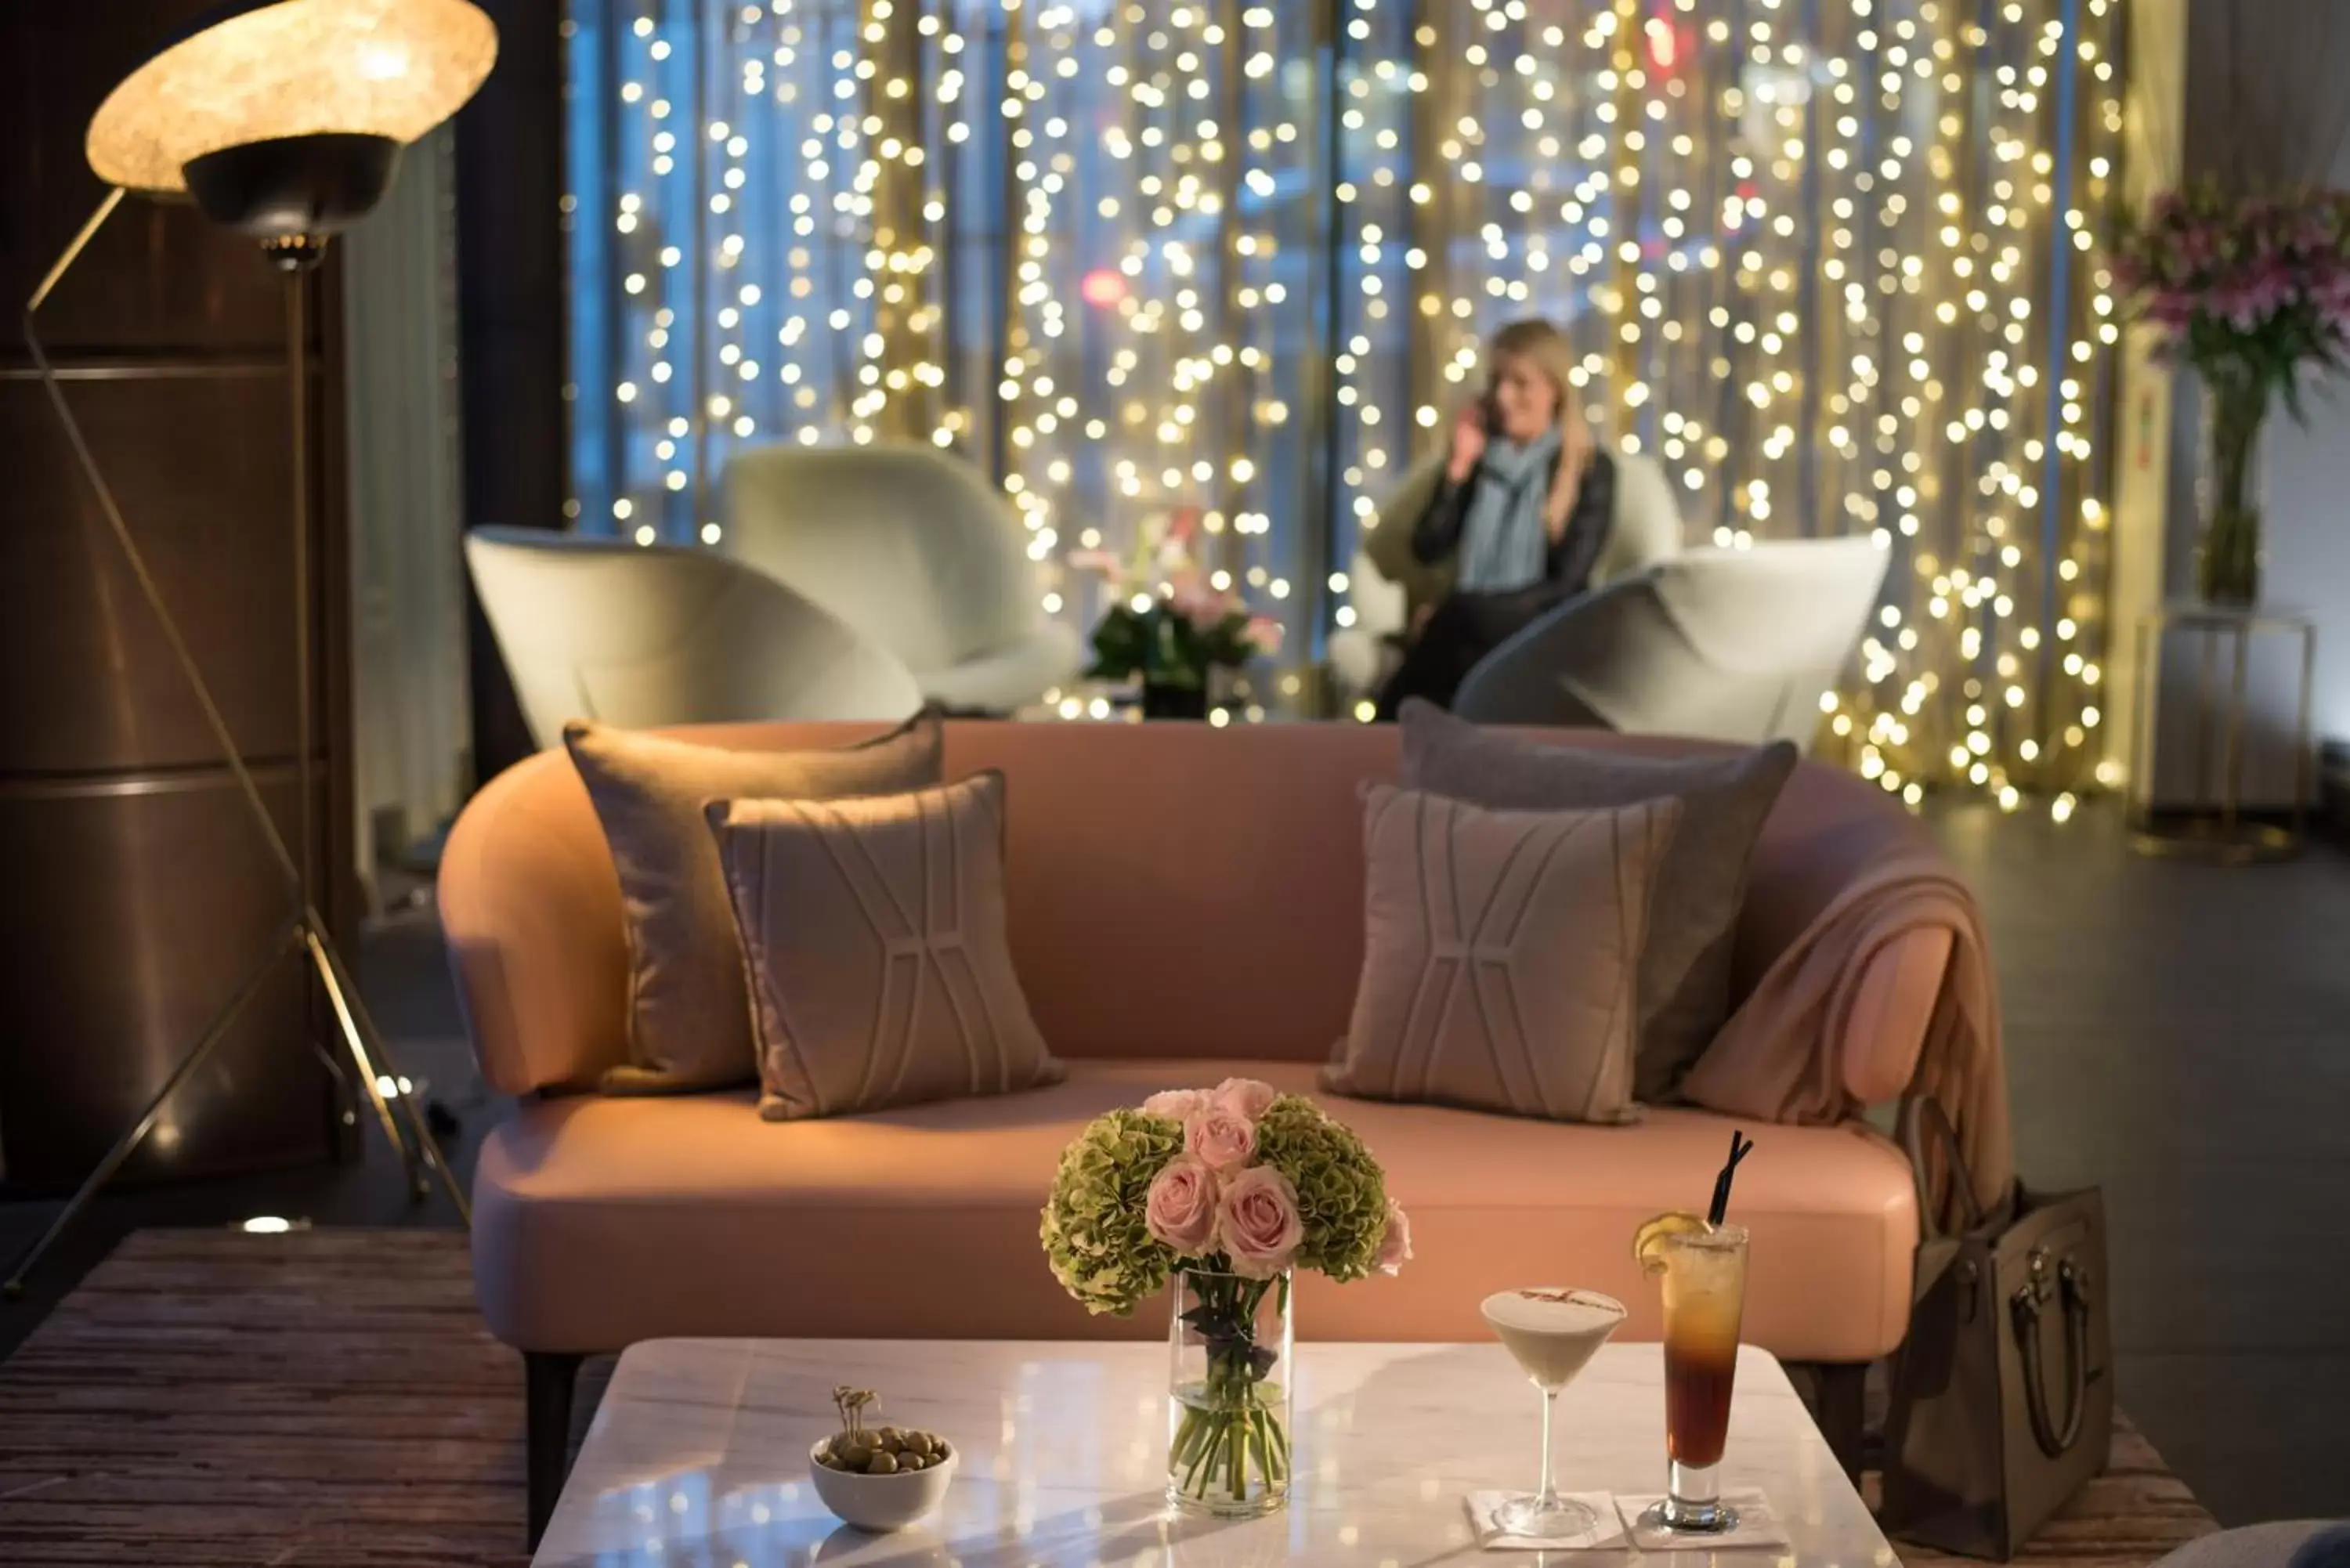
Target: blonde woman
1522,511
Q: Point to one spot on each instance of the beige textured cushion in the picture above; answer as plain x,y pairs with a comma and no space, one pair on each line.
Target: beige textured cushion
873,934
1685,973
689,1018
1502,955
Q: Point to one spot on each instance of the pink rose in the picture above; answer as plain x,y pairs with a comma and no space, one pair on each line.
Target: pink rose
1178,1103
1246,1097
1257,1223
1180,1209
1222,1138
1395,1247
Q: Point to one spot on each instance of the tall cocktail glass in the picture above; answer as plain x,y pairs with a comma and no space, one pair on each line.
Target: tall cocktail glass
1704,1279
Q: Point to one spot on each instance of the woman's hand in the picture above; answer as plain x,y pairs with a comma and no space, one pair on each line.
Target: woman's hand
1468,441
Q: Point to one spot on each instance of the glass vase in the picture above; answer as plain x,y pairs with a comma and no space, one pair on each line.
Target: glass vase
1228,1394
1174,699
2228,562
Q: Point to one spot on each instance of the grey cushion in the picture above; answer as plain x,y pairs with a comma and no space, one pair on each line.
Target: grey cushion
1684,986
874,941
1502,955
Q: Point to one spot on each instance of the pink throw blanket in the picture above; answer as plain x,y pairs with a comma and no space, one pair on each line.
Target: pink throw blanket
1782,1055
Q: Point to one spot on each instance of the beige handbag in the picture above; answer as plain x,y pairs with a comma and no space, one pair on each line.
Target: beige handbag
2002,1393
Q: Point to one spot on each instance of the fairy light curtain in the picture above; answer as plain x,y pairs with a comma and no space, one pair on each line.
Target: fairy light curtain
1838,266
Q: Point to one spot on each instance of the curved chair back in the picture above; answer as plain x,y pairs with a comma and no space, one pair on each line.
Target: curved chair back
1725,645
1645,529
906,543
647,634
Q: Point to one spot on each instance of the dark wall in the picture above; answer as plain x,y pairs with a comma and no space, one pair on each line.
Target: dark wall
136,892
511,292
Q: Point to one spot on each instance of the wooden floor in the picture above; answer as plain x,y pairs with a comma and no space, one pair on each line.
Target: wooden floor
210,1399
207,1398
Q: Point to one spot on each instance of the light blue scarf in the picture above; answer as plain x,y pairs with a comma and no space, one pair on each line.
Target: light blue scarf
1504,546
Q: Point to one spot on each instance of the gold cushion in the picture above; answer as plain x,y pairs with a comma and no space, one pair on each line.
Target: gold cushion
689,1017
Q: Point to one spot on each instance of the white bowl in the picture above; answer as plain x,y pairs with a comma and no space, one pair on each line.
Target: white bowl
882,1503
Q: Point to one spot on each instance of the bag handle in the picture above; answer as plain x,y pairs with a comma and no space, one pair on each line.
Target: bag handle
1922,1119
2073,1285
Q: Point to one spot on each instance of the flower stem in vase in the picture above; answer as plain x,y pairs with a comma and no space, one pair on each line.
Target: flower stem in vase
2228,569
1228,1450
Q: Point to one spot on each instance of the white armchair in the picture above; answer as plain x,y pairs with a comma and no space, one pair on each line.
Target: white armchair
1386,583
917,551
640,636
1726,645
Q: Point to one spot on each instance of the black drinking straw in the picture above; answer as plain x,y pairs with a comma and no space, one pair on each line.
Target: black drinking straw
1740,1147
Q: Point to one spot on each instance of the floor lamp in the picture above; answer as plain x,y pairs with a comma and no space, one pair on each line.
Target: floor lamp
283,119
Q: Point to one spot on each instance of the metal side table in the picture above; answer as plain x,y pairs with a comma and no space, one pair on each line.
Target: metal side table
2213,825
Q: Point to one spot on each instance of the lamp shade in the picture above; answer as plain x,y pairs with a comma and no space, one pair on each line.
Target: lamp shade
391,69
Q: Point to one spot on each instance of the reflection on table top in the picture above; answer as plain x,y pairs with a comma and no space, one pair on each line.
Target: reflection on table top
698,1456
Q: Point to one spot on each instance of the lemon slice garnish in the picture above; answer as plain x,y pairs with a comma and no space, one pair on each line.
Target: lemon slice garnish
1648,1240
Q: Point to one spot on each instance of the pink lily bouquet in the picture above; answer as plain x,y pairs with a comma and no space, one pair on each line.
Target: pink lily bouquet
1225,1190
2248,291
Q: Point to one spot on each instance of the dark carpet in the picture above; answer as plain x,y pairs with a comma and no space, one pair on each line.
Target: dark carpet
207,1397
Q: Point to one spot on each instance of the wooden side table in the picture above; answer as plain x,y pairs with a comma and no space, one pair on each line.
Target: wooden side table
2213,825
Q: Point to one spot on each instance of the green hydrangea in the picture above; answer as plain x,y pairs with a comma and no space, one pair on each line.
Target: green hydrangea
1342,1195
1094,1230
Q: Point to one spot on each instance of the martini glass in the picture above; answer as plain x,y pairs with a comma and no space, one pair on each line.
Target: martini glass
1553,1333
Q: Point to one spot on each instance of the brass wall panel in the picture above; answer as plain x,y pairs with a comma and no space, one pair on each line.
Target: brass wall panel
135,904
201,469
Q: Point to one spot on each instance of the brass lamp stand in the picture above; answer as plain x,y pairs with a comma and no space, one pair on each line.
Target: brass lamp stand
230,118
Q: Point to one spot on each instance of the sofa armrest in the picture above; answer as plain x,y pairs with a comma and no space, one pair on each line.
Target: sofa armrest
530,908
1890,1013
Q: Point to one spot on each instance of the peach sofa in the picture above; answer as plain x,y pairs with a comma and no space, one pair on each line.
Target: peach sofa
1185,903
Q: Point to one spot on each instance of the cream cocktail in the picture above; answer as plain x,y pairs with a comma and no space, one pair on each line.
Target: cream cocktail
1554,1332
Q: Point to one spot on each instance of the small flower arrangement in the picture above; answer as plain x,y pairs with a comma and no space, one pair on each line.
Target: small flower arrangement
1231,1189
1168,625
2247,291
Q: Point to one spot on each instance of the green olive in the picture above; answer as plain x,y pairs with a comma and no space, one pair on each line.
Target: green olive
912,1462
881,1465
891,1436
918,1443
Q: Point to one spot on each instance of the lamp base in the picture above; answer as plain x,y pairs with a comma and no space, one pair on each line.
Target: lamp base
295,192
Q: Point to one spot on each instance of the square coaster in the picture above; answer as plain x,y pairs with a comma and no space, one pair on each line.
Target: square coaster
1606,1535
1758,1526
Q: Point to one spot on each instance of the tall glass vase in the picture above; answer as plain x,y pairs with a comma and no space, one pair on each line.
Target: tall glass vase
1228,1394
2227,564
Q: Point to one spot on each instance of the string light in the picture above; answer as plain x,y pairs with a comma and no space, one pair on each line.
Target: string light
1836,269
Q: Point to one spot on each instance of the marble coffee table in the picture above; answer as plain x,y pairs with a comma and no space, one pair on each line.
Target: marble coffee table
698,1456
